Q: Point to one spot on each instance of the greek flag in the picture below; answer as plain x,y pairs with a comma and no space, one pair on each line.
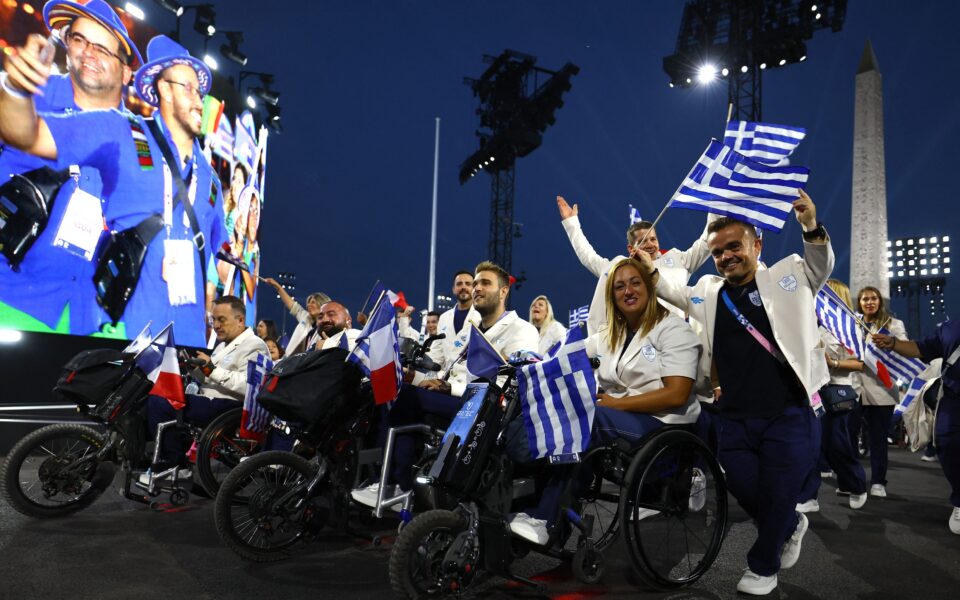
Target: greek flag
579,315
634,215
763,142
901,368
558,399
911,394
837,318
483,360
255,419
725,182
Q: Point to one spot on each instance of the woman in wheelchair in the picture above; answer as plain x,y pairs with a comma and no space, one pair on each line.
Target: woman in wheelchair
648,365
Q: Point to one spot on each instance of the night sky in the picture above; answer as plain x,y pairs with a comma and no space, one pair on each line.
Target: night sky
349,181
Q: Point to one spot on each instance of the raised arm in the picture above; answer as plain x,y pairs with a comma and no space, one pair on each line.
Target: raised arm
25,74
588,257
818,258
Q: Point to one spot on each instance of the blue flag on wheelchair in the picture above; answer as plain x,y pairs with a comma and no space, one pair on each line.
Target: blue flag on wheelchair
483,360
255,419
558,397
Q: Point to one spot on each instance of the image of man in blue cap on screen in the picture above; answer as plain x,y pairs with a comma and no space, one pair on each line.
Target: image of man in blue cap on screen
164,203
47,285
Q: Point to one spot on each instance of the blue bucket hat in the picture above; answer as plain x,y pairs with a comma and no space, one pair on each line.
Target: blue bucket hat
58,14
163,53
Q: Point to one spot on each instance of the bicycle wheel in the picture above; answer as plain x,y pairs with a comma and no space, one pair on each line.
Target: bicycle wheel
54,471
600,500
674,509
262,511
220,449
417,562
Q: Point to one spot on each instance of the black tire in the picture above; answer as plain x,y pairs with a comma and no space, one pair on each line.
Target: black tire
673,510
417,556
220,449
258,513
53,471
588,565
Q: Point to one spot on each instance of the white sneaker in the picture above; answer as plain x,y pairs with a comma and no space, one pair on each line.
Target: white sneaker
926,458
954,521
809,506
791,550
858,500
878,490
826,474
367,496
842,493
698,491
530,529
756,585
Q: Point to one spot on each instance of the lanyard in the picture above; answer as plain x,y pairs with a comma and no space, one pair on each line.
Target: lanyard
168,195
761,339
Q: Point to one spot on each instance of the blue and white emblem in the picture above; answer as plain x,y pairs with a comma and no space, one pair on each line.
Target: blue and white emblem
755,298
649,352
696,300
789,283
666,261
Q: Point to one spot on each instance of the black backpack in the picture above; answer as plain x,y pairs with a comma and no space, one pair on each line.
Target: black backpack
90,376
309,388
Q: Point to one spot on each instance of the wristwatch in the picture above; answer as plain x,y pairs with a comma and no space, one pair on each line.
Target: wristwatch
818,233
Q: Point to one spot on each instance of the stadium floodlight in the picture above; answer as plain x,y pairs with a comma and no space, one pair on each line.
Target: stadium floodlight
134,11
231,50
210,62
205,21
706,73
175,7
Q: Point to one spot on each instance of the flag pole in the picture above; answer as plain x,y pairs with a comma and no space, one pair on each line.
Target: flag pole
729,114
370,293
433,218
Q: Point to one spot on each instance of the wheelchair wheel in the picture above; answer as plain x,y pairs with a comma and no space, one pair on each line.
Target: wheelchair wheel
600,501
54,471
419,563
673,509
262,512
220,449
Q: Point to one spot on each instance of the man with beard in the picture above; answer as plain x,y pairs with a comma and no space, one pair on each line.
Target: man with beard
760,333
333,324
55,273
174,205
452,322
506,332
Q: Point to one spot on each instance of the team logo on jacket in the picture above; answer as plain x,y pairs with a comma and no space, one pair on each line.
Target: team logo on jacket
755,298
667,262
696,300
649,352
789,283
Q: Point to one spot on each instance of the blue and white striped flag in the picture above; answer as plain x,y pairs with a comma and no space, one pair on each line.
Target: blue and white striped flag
558,399
901,368
763,142
834,314
725,182
910,395
579,315
255,419
634,215
483,360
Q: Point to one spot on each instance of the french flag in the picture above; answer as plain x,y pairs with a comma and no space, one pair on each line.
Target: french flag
377,352
159,362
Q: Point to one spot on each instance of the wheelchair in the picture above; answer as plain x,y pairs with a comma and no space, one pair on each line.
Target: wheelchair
274,503
63,468
667,498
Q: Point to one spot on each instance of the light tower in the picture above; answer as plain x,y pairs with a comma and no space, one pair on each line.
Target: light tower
868,229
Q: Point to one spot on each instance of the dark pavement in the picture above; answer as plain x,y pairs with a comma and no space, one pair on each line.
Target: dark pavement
898,547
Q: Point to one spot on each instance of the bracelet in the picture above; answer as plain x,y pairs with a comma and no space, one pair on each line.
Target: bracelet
9,89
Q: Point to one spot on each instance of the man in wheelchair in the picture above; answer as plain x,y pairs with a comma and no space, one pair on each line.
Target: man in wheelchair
223,383
440,397
648,364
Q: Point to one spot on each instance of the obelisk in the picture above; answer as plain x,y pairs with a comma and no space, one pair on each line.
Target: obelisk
868,230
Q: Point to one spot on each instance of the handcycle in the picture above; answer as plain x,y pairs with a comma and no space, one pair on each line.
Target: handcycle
275,502
667,498
63,468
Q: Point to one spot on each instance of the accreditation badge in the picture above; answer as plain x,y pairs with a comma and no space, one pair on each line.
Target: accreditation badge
81,226
179,269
